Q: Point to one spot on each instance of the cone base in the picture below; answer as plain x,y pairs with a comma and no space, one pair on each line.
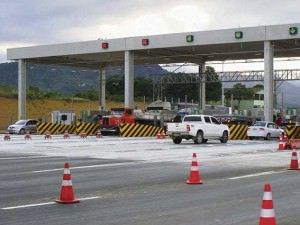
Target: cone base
193,182
293,169
67,202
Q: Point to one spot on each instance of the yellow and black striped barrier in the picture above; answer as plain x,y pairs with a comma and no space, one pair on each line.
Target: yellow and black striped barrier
138,130
238,132
293,132
88,128
55,128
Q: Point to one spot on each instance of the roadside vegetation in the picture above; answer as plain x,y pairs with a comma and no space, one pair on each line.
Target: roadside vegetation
41,103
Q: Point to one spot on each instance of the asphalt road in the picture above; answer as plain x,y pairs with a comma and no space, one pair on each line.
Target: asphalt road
142,193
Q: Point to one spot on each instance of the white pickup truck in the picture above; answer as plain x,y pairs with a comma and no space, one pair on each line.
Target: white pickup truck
199,128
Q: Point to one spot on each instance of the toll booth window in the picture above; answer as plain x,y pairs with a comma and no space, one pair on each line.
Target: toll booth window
64,117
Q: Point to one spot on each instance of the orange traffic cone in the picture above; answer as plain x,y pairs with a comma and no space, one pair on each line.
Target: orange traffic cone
6,137
194,177
158,136
27,136
281,144
267,213
83,134
294,160
99,134
66,135
66,193
48,135
163,135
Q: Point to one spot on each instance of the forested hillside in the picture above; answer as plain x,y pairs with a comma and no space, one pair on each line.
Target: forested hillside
63,79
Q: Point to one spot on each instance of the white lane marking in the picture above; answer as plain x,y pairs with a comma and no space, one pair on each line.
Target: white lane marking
254,175
46,203
84,167
24,157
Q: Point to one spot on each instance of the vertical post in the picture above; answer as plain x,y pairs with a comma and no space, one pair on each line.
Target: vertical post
102,91
129,79
223,94
202,77
22,77
268,80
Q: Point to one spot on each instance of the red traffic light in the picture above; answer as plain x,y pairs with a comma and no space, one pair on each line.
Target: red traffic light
145,42
104,45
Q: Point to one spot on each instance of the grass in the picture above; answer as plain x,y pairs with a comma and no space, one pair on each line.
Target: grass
42,109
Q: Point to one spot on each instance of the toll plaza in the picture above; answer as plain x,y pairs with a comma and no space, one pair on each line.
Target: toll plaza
264,42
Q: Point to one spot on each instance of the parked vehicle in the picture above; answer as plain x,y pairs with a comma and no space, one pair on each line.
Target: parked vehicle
157,113
199,128
264,129
110,123
22,126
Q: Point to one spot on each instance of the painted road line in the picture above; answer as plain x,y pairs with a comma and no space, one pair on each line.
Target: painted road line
254,175
24,157
90,166
46,203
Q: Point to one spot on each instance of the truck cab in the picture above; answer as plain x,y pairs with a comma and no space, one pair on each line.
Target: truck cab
117,117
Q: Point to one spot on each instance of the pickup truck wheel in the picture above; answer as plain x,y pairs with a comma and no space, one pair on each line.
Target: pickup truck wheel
199,138
268,137
224,137
177,140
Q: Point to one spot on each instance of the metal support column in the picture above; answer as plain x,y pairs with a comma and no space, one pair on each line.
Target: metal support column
129,79
202,86
102,92
22,77
268,80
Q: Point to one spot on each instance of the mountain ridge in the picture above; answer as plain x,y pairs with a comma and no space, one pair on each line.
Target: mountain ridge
68,80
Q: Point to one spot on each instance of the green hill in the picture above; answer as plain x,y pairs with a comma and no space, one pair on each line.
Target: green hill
64,79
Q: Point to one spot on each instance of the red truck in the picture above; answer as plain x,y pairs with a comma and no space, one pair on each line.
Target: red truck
110,123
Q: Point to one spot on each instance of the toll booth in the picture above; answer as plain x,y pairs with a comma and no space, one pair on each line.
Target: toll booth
63,117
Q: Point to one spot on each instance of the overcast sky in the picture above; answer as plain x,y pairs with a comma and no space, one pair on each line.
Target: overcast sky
35,22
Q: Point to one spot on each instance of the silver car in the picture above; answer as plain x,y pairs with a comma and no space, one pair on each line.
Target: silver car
22,126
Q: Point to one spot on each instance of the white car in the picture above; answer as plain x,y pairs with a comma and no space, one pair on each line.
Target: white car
264,129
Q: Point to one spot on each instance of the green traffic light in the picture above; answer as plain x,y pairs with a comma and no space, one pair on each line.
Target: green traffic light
293,30
238,34
189,38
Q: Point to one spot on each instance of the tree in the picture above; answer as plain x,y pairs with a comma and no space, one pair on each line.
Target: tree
35,93
213,87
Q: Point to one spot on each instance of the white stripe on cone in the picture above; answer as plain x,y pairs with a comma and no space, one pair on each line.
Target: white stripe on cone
267,196
267,213
194,168
67,171
66,183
